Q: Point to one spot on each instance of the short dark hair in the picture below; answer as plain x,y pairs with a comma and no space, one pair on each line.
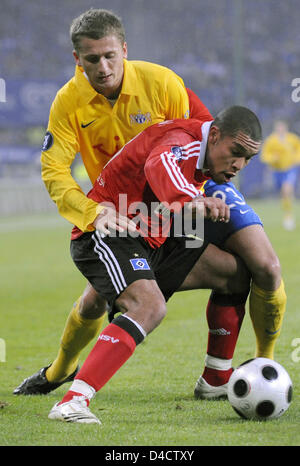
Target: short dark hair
237,119
96,24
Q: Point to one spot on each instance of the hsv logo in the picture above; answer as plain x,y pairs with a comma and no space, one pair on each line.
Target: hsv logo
109,338
139,264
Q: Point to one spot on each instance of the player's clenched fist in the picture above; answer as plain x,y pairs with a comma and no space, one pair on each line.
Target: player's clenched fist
212,208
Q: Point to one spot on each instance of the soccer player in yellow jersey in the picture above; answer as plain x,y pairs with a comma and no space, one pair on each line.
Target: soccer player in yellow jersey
281,152
108,102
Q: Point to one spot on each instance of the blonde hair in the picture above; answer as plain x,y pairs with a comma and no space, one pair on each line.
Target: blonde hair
96,24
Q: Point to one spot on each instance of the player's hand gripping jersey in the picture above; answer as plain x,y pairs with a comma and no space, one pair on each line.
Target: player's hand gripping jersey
241,214
161,165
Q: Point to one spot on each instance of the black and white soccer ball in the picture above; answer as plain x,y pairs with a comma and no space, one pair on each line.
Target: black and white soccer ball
260,389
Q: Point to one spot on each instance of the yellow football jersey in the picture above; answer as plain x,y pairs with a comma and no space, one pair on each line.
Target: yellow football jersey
83,121
281,155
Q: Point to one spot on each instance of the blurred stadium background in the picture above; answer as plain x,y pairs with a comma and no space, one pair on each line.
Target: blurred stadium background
227,51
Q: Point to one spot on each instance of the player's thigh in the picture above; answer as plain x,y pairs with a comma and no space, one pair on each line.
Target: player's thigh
218,270
174,261
254,247
110,264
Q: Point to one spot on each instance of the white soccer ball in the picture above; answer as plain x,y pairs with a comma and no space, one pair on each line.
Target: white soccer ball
260,389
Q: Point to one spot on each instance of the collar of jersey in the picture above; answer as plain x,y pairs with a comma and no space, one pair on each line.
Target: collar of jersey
87,92
130,84
205,131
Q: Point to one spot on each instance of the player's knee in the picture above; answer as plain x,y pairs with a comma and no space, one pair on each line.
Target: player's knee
92,307
158,311
151,312
143,302
267,274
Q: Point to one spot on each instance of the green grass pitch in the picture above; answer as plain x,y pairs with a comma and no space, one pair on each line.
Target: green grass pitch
150,400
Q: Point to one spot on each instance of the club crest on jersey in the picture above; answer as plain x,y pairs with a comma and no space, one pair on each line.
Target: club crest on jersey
140,118
139,264
48,141
176,150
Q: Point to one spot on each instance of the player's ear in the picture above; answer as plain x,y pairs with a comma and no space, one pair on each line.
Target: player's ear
77,59
125,50
214,135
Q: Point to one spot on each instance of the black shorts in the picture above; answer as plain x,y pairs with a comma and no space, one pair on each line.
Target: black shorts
111,264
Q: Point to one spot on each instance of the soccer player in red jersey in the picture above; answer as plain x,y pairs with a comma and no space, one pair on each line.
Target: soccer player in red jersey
167,165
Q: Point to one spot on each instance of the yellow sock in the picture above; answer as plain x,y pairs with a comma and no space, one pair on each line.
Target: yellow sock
287,206
77,334
266,311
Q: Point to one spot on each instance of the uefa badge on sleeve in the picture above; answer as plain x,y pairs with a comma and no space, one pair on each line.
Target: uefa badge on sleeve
48,141
177,151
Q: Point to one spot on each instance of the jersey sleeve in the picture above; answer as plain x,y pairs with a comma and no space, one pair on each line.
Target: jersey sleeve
176,98
58,152
164,175
197,108
241,214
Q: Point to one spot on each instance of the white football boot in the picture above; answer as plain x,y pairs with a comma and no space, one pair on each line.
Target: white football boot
289,223
75,410
205,391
